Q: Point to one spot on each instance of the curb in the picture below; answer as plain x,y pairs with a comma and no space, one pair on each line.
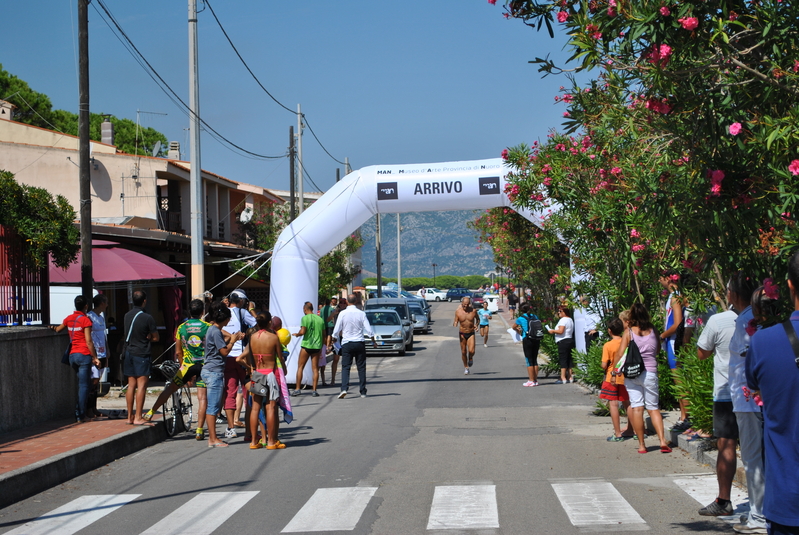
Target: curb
37,477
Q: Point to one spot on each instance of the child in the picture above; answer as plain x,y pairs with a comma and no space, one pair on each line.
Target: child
613,386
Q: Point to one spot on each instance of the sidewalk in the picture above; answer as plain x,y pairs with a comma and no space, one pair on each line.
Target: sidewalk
44,455
702,450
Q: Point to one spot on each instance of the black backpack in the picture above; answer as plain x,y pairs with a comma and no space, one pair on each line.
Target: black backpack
634,364
535,329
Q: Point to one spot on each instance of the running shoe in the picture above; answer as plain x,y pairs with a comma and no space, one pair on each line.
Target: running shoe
315,394
528,383
471,362
230,433
485,345
343,394
200,434
535,383
746,528
296,393
681,425
714,508
466,371
559,382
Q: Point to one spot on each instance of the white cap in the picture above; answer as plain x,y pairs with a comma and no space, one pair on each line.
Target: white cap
239,293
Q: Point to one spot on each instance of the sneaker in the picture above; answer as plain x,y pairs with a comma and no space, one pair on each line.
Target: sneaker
296,393
220,420
714,508
571,380
315,394
363,395
681,425
485,345
200,434
343,394
528,383
466,371
559,382
535,383
746,528
230,433
471,362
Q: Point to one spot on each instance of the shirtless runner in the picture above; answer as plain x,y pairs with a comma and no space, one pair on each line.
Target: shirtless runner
466,319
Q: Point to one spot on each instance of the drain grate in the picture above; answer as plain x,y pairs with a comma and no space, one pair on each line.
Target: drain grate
495,419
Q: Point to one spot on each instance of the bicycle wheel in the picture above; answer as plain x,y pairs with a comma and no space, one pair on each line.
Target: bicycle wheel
170,411
186,413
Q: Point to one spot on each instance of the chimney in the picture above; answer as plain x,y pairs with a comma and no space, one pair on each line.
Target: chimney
6,110
174,150
107,131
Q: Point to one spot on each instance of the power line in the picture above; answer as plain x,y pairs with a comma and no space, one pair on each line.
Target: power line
262,85
163,85
309,176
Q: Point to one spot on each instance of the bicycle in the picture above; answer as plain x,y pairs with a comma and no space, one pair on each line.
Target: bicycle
177,410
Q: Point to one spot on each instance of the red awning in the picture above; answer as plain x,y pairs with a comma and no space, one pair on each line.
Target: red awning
114,264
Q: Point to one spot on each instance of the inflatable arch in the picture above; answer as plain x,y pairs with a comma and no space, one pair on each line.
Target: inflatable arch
469,185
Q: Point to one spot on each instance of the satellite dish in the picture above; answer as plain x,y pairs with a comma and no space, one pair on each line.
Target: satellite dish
157,148
246,215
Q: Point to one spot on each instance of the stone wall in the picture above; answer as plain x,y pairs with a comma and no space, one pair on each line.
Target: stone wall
34,386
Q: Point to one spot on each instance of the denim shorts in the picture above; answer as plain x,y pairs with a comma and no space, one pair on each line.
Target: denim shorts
215,386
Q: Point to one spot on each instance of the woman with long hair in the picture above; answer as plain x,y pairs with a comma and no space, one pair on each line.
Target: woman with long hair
643,390
564,338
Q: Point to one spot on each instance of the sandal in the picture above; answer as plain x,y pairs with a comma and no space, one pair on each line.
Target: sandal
665,449
276,446
643,451
218,445
614,438
257,446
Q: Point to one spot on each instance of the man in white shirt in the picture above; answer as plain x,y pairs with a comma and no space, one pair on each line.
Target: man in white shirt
351,325
235,375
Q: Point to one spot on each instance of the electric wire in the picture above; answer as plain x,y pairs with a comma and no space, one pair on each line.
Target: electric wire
163,85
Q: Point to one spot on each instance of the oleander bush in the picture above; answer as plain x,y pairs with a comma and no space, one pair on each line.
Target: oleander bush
696,385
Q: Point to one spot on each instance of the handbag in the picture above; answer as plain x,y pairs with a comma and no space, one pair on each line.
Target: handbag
634,364
258,384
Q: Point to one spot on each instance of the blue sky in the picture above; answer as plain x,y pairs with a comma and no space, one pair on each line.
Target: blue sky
380,82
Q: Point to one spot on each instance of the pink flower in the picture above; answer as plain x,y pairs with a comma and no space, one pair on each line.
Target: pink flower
733,15
634,233
505,154
492,2
562,16
794,167
751,327
735,129
638,248
612,8
770,289
547,181
689,23
665,11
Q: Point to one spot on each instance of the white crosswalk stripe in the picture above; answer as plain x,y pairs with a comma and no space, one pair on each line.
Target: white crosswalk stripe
336,509
192,518
704,490
464,507
593,503
75,515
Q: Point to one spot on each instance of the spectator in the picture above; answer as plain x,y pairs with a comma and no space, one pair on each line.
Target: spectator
715,340
336,348
747,412
513,300
643,390
190,353
564,337
213,372
613,389
82,352
326,313
590,332
140,332
530,343
672,336
772,367
350,328
312,330
235,375
100,303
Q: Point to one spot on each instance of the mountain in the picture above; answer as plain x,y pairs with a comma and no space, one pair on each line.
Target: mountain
427,238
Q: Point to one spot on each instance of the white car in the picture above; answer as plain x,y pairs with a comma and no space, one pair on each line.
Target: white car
433,294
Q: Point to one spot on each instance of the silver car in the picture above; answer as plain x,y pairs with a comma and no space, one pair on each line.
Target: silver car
420,323
387,326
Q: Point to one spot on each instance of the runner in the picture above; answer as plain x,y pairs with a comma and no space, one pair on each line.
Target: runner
466,319
485,316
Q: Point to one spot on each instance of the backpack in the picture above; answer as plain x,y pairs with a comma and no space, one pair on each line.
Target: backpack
634,364
535,329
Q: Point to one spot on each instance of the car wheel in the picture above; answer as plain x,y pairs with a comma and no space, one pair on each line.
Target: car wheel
438,298
401,352
449,299
409,347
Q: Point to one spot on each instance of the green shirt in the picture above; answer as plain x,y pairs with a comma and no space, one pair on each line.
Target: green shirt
326,313
314,330
192,337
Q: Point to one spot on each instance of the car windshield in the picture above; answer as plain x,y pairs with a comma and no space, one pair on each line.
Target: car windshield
382,318
415,309
400,308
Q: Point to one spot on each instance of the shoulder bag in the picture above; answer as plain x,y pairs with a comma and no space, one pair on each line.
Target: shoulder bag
125,352
634,363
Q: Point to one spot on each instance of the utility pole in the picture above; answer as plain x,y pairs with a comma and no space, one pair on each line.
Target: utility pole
434,275
347,168
197,198
291,175
84,148
379,260
338,174
299,158
399,250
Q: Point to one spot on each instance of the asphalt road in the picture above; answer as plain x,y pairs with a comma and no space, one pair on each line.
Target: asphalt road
428,450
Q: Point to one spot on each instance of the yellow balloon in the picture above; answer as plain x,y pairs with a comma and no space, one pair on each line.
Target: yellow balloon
285,336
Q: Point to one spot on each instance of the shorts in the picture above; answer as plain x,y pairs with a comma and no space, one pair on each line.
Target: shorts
725,424
530,347
235,376
135,366
565,358
273,392
215,385
613,392
312,350
643,390
187,372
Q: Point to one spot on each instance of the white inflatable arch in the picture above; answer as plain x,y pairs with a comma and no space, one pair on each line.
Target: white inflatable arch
469,185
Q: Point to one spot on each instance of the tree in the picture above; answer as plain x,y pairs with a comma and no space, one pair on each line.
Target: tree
47,224
35,108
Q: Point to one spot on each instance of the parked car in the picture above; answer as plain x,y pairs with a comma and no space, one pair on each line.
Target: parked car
434,294
400,306
456,294
386,293
420,323
478,299
388,329
421,300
